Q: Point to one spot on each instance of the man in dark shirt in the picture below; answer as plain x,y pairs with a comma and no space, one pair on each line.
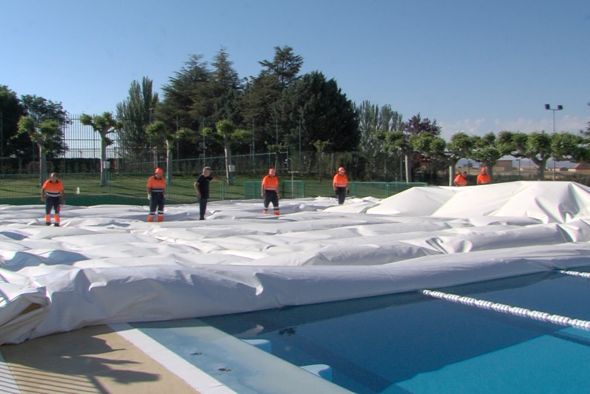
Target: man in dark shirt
202,189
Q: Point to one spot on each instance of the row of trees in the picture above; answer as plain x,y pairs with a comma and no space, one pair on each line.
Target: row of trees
208,109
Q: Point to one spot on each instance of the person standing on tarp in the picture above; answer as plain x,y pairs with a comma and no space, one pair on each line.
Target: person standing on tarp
52,193
461,179
202,189
156,187
340,184
269,190
483,178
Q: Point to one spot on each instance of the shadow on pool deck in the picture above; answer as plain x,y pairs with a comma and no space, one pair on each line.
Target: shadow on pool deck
90,360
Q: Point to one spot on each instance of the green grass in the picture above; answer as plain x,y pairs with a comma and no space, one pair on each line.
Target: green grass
84,189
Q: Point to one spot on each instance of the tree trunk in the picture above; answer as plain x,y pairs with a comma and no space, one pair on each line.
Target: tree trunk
451,174
407,167
155,156
540,167
42,165
226,154
168,162
103,162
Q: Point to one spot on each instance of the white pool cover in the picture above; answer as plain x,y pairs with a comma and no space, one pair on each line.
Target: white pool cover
106,264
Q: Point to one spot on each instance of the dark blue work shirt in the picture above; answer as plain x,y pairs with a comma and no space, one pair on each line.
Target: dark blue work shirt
203,185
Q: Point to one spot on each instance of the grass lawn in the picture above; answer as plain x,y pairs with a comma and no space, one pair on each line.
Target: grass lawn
84,189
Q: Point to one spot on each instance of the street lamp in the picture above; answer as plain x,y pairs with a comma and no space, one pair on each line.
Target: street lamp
549,108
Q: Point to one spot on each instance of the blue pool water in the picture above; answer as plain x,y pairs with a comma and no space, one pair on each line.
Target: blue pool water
411,343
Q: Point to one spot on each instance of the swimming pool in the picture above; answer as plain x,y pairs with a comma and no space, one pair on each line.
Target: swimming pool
400,343
412,343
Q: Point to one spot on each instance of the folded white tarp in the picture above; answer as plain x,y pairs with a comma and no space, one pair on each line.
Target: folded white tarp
105,264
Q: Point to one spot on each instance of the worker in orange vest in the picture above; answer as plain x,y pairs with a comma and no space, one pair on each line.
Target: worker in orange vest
340,184
52,193
269,190
483,177
156,186
461,179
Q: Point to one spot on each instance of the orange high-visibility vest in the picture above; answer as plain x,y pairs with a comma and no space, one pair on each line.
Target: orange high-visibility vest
156,185
53,189
270,182
340,180
460,180
483,179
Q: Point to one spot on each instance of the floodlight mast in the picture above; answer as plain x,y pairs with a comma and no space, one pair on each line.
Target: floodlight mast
549,108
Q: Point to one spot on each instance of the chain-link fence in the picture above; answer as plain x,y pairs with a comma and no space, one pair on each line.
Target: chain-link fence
302,173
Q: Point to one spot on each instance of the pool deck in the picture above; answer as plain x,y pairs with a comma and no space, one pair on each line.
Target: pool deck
187,356
90,360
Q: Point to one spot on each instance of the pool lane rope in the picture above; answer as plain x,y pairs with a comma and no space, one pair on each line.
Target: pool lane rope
585,275
509,310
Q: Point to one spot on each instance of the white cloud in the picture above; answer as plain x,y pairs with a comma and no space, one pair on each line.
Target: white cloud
482,125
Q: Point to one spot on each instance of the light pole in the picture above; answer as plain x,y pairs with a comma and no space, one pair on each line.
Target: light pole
549,108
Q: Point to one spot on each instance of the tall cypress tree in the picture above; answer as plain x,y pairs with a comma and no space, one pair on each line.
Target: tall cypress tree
135,114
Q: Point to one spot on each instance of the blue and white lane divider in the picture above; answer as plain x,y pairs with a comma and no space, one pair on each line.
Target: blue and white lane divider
585,275
510,310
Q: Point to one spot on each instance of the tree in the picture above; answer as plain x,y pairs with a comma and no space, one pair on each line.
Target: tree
417,125
586,132
229,134
459,147
374,124
259,107
10,112
320,147
226,89
285,66
42,134
325,113
159,133
187,102
567,146
43,123
135,114
485,151
398,142
412,128
430,149
104,125
533,146
266,105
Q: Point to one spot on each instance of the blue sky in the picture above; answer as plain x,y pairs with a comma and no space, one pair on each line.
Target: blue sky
473,65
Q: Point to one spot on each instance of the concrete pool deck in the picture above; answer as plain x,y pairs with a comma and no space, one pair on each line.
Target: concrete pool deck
182,356
90,360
